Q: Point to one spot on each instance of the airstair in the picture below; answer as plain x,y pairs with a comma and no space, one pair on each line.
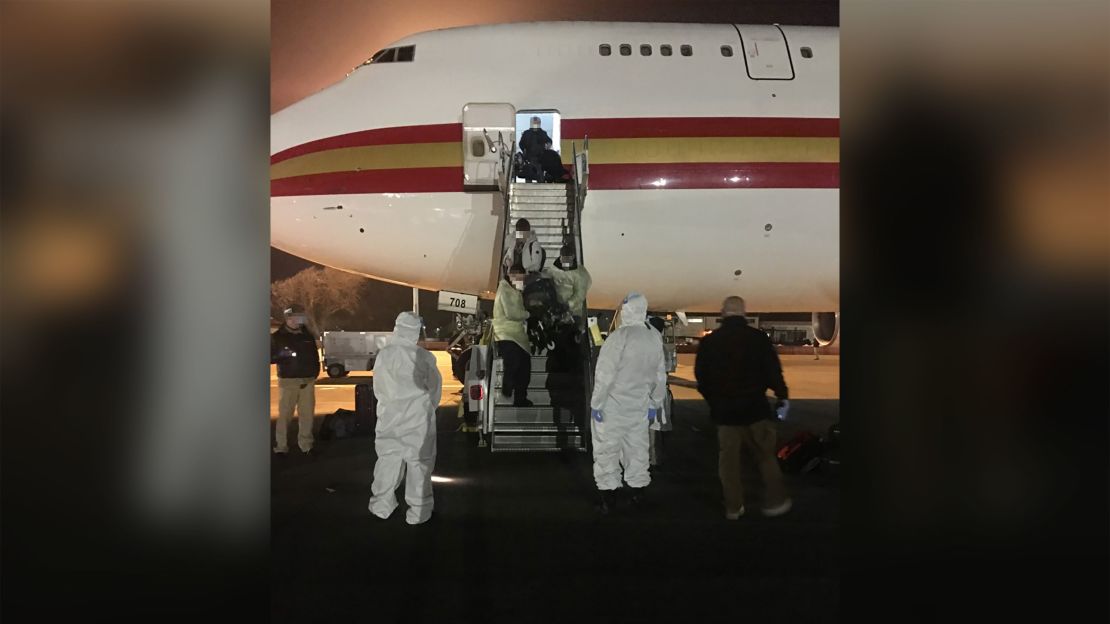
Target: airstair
559,416
547,207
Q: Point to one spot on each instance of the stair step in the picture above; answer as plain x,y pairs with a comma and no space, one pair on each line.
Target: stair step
553,218
532,192
539,430
550,220
540,198
533,189
537,442
539,396
535,449
536,414
538,185
539,363
546,229
538,210
553,221
513,426
530,202
539,379
543,196
542,380
536,429
538,382
538,203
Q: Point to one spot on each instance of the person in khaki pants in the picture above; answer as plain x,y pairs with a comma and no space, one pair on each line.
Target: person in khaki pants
735,366
293,348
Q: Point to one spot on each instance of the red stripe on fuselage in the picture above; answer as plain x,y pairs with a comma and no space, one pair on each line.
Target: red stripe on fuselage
659,176
714,176
652,127
411,180
437,133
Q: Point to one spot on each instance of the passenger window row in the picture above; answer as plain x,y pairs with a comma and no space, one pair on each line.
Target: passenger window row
646,50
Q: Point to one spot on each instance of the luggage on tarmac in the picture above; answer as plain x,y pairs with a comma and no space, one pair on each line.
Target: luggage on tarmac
336,425
801,453
345,423
364,399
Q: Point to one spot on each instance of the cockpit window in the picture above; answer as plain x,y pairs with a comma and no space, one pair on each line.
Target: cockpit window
403,54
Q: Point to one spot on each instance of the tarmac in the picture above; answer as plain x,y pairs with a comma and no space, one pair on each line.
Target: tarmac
516,536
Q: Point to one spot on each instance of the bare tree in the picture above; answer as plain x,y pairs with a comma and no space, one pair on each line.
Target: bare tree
324,292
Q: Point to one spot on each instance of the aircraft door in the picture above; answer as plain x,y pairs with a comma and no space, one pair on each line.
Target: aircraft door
766,54
481,154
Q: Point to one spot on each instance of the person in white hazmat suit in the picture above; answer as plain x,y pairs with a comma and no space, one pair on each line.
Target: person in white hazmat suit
407,385
630,386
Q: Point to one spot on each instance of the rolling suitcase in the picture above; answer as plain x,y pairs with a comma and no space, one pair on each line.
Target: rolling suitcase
365,410
801,453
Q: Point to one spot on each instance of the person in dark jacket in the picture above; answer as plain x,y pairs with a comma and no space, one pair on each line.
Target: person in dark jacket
293,349
533,142
735,366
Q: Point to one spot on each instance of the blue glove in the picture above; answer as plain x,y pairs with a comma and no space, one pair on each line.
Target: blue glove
597,415
782,409
652,413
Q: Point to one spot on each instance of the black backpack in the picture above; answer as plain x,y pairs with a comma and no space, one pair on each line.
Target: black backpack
540,297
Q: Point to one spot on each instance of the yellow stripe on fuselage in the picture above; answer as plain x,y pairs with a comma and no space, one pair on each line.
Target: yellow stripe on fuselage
401,156
709,149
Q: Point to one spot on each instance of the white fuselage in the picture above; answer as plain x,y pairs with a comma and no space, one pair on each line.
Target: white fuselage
684,248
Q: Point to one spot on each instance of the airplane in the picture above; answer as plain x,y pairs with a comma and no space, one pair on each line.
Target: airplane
713,160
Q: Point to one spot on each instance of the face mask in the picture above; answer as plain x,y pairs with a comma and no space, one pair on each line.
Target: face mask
521,233
297,321
519,285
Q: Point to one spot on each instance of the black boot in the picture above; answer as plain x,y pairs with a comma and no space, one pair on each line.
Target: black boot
639,498
607,502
